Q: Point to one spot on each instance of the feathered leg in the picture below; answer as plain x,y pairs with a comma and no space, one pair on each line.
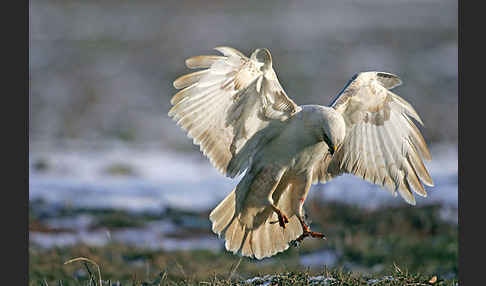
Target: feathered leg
271,176
301,185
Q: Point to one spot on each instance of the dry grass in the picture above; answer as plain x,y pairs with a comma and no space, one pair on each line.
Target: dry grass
415,239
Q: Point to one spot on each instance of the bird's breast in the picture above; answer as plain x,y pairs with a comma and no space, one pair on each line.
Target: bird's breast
297,147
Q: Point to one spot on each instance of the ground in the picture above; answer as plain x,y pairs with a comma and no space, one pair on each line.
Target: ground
399,245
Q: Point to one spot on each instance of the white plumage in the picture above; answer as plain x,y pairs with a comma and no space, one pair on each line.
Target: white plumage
238,113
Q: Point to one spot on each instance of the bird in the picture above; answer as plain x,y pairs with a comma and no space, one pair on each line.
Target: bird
236,110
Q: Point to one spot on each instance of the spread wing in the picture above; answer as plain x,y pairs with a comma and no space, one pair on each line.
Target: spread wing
382,144
224,105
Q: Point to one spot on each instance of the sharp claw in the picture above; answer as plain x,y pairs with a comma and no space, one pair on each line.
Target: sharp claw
282,218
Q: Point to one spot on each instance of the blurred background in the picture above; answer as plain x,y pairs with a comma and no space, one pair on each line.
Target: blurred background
113,177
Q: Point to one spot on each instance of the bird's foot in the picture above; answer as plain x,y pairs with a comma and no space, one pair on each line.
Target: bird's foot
311,234
307,232
282,218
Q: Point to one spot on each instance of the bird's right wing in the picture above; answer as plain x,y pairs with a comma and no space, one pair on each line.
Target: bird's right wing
223,106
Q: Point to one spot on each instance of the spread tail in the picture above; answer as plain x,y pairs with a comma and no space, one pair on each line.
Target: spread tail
263,238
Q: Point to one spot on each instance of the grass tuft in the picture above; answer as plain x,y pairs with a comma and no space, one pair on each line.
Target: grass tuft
88,260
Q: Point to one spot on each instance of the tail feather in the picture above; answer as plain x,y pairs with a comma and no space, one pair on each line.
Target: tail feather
234,233
260,241
222,215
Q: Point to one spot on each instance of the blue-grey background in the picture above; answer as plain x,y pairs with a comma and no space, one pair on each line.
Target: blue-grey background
101,73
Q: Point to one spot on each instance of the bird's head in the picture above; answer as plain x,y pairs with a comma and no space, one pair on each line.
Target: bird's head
333,128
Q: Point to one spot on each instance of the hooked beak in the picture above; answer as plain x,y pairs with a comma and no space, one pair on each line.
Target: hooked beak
332,148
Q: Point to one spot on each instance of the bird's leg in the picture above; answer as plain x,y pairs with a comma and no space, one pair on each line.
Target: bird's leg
282,218
307,232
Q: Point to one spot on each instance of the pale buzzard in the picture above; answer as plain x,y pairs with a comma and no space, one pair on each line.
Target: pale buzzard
238,113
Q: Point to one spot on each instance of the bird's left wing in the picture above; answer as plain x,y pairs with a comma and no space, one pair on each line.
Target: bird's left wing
224,105
382,144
